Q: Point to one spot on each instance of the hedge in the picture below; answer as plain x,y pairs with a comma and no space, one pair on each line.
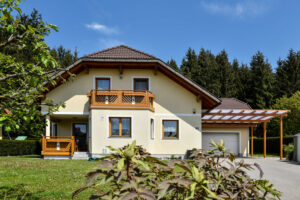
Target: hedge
273,144
16,147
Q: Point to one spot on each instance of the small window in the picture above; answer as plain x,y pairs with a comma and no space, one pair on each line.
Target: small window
103,83
170,129
152,128
120,127
54,129
141,84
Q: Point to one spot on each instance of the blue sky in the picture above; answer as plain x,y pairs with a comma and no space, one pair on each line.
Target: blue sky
167,28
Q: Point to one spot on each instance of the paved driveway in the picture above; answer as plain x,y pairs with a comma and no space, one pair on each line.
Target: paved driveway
283,174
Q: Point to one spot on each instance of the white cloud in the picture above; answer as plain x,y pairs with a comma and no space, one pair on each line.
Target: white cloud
102,28
239,8
107,43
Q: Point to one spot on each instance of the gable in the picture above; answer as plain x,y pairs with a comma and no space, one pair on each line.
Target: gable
123,58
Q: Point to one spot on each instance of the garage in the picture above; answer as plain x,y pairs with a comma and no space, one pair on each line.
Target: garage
231,139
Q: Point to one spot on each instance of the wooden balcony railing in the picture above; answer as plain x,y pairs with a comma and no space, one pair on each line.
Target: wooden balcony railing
58,145
121,99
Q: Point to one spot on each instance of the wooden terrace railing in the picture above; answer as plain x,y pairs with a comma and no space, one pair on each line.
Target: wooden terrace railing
121,99
58,145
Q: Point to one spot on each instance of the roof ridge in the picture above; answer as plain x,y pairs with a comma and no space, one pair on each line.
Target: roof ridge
103,50
138,51
122,45
238,101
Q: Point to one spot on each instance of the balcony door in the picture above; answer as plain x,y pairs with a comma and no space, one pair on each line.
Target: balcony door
80,133
141,84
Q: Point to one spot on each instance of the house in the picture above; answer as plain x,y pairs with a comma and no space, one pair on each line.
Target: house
121,94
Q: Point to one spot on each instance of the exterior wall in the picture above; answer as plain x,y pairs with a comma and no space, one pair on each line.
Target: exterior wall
189,137
172,101
100,129
170,96
244,136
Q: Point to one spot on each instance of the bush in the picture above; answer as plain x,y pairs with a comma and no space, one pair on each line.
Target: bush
273,144
289,151
126,174
16,147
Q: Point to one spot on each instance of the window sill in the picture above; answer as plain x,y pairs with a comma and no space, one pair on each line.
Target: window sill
118,137
171,138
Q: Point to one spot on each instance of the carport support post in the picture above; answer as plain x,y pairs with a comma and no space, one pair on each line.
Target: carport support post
251,141
265,139
281,138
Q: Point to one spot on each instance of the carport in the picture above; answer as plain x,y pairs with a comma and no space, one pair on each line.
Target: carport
245,118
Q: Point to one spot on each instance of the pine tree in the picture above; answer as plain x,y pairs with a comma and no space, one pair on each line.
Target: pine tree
243,83
261,82
172,63
63,56
227,75
189,64
208,75
288,75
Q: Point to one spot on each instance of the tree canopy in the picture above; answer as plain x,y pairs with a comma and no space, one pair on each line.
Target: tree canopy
26,65
256,83
291,122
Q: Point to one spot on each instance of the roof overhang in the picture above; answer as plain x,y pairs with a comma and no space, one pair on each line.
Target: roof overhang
209,101
240,117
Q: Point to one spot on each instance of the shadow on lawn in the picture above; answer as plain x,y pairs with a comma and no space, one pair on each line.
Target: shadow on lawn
16,192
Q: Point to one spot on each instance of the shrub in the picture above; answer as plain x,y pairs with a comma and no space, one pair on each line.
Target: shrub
289,151
126,174
16,147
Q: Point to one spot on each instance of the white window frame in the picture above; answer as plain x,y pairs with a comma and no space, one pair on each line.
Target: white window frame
152,128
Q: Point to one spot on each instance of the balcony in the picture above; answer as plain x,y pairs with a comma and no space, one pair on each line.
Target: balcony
121,99
63,146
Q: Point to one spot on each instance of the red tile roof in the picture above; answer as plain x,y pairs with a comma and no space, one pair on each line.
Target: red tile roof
120,52
232,103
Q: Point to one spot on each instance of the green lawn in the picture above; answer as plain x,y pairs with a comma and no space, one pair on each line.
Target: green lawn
30,177
262,155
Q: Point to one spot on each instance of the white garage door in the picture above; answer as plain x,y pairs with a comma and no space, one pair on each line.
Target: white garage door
231,140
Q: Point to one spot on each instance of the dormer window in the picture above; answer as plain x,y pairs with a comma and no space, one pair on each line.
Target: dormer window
103,83
141,83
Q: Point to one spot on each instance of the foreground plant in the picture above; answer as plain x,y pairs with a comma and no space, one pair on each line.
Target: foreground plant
131,173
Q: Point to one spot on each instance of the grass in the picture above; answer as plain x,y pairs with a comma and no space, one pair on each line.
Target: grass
30,177
262,155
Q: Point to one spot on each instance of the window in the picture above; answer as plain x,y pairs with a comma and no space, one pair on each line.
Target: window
103,83
53,129
120,127
170,129
140,84
152,128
